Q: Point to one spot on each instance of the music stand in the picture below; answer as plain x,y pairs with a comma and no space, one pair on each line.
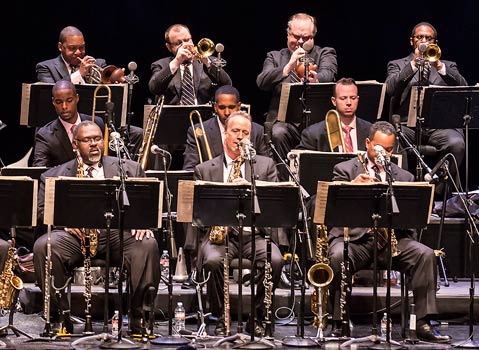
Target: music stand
18,205
95,201
224,204
319,95
370,205
37,108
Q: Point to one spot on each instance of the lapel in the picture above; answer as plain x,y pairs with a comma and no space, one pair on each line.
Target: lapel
197,68
215,132
110,168
62,137
62,69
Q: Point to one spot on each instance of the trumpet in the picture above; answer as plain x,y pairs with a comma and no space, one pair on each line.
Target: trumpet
199,132
109,75
432,53
204,48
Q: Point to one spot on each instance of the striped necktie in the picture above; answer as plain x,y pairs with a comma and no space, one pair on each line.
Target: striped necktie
294,77
187,90
348,142
377,173
89,172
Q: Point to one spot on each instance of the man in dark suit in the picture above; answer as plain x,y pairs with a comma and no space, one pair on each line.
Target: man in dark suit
74,65
403,74
66,242
54,141
167,72
219,169
414,259
227,100
279,67
346,99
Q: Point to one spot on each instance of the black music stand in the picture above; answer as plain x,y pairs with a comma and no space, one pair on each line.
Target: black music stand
96,203
37,108
369,204
18,206
231,205
319,95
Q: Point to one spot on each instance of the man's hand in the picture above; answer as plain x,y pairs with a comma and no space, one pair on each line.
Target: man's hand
364,178
76,232
139,234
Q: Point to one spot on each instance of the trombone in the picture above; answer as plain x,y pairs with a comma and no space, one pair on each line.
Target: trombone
334,130
199,132
106,96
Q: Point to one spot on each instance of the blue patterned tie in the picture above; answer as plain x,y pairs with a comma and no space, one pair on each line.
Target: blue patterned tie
187,90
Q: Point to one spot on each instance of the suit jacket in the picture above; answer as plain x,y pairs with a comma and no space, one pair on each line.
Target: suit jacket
315,137
347,171
205,81
55,69
213,133
110,169
52,145
401,77
271,77
212,170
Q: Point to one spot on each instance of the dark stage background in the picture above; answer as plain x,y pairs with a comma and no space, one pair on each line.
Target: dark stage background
366,36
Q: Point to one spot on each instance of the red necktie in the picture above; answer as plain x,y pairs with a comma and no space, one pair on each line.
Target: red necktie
348,142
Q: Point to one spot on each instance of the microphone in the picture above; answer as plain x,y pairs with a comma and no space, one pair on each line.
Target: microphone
219,48
247,148
307,46
381,159
110,116
219,61
422,47
396,119
116,142
132,78
2,125
155,149
430,176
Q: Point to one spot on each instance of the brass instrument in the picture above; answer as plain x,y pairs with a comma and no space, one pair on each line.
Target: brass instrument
432,53
382,231
149,132
9,283
204,48
320,276
107,97
109,75
334,130
218,233
200,133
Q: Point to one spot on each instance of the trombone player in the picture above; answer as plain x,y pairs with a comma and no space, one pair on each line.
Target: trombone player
167,72
403,74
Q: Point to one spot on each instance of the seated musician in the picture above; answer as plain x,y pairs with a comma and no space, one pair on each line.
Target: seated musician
211,254
414,259
66,250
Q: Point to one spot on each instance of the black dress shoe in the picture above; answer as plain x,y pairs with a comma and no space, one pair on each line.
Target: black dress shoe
3,333
258,328
220,329
428,334
188,284
336,332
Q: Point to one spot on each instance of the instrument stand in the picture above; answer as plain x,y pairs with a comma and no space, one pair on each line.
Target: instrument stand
201,332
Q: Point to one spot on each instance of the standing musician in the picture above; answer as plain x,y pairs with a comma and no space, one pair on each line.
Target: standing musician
415,259
346,100
280,67
227,101
211,255
403,74
73,64
66,242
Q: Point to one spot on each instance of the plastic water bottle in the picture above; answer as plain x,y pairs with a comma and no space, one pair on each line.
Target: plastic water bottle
114,324
165,265
180,316
384,322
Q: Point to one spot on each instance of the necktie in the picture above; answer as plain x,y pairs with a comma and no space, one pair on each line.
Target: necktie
425,72
348,142
73,68
377,173
235,170
294,77
187,90
72,130
89,172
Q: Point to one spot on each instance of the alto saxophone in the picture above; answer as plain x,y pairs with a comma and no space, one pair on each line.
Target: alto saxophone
320,276
382,231
218,233
9,283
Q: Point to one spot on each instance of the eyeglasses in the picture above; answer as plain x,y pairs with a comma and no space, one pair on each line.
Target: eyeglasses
179,42
427,37
298,37
91,140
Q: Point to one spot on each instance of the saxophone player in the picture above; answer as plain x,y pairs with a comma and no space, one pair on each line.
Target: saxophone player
416,260
211,255
66,242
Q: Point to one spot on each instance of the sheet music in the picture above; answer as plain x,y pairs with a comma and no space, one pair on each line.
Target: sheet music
186,191
284,99
34,195
49,205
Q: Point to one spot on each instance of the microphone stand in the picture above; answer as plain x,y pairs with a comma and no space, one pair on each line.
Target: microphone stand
170,339
305,115
419,119
131,80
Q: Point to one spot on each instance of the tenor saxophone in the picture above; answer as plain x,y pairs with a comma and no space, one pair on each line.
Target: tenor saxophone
9,283
320,276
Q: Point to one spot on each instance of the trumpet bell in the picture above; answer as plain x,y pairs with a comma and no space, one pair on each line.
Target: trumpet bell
205,48
432,53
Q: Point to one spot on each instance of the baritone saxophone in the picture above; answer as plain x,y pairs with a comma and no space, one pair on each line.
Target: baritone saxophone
10,284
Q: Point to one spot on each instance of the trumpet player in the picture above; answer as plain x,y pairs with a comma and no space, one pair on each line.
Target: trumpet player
280,67
168,72
403,74
415,259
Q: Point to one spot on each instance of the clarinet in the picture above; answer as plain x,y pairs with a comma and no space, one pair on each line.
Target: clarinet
345,287
46,286
268,289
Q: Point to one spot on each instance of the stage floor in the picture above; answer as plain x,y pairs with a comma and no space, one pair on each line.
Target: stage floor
453,302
